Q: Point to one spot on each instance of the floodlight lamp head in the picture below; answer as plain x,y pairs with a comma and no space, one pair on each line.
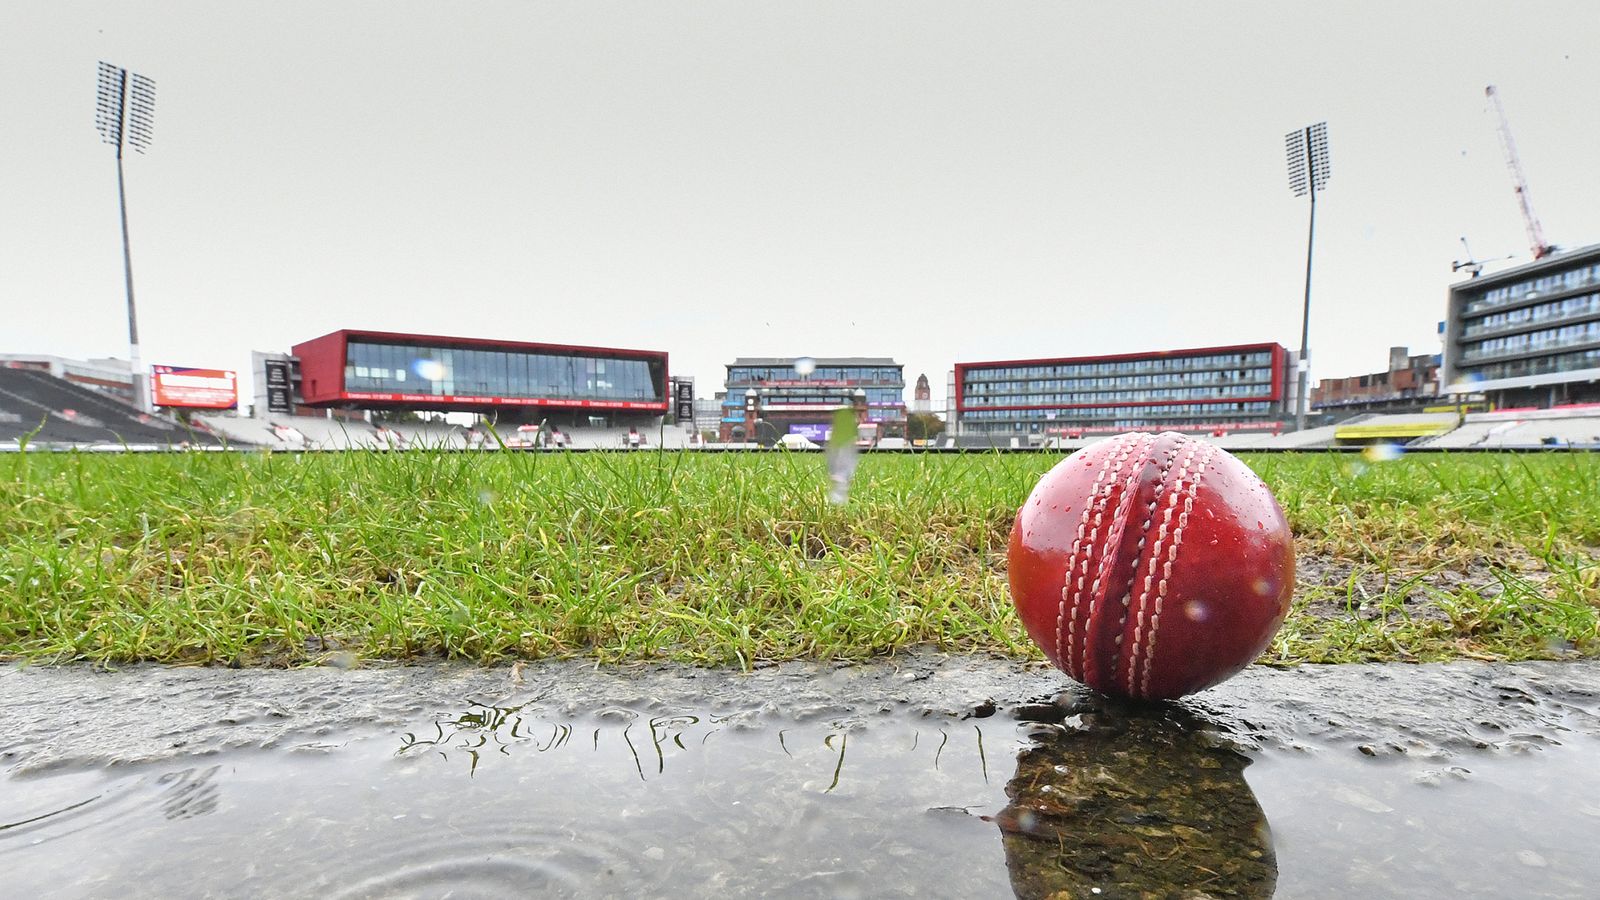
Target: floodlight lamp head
1307,153
108,103
141,112
125,107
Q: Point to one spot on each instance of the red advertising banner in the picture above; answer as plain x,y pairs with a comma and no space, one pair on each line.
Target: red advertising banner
180,386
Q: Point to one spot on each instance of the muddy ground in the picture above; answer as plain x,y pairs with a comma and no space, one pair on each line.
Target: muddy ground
1360,588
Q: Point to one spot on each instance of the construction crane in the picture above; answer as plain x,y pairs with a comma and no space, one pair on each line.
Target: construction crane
1473,267
1535,233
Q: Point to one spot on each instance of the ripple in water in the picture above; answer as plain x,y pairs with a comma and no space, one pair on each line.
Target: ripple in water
488,857
70,808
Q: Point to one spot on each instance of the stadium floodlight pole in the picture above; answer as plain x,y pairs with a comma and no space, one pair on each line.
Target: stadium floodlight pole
1307,149
125,104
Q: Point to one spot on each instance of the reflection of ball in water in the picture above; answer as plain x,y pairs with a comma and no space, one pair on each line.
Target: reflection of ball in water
1135,805
1151,566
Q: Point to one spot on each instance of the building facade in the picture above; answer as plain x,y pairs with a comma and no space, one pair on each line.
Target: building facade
1411,383
775,392
1234,388
708,414
512,379
1527,336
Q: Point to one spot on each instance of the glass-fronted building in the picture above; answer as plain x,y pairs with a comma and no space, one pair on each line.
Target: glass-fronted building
377,370
799,403
1232,388
1528,336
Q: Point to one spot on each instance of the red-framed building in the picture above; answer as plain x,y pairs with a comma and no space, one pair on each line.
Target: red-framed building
1232,388
356,369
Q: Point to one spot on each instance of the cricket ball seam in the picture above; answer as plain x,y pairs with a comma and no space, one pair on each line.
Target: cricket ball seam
1138,551
1111,548
1062,622
1100,503
1171,504
1166,574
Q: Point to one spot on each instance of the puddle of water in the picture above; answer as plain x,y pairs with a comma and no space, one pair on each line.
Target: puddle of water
1519,825
1076,802
491,802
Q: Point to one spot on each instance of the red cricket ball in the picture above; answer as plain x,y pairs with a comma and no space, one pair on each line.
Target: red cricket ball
1151,565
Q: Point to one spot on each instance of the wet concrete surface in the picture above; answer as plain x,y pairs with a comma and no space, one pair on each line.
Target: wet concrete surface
927,775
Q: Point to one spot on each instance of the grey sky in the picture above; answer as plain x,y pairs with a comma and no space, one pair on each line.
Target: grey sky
930,181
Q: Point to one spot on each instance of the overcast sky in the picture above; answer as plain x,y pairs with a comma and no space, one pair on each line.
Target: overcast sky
936,182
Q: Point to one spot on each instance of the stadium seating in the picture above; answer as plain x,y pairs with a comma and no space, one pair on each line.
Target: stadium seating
671,438
334,434
1311,438
303,433
432,435
318,433
57,412
1241,441
241,431
1514,429
1396,428
1433,419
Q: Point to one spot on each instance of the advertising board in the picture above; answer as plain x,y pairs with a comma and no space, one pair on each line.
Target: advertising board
189,388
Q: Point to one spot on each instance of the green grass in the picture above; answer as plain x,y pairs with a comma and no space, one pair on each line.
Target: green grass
723,558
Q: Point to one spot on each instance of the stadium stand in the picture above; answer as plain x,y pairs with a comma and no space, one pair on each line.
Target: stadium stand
1398,428
318,433
672,438
1469,434
1584,432
1575,426
994,441
1311,438
432,435
336,434
1557,426
237,430
301,433
50,411
1244,441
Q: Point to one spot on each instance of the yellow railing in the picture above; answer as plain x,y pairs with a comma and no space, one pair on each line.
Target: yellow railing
1400,430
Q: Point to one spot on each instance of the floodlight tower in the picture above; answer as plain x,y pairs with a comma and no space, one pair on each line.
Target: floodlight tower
1307,150
125,107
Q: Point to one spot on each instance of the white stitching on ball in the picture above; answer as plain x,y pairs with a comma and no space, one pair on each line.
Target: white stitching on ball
1072,561
1171,504
1144,534
1166,574
1108,557
1099,501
